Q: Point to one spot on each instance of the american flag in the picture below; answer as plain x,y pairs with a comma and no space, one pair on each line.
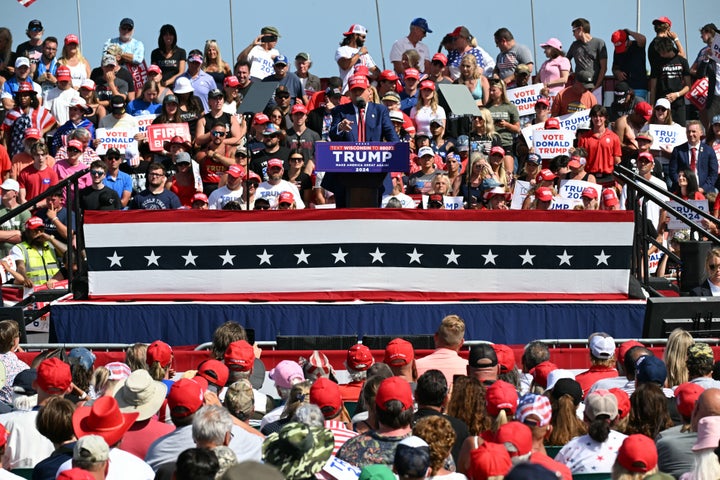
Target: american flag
26,3
367,254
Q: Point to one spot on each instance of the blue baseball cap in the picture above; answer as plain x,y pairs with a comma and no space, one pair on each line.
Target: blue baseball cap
422,23
281,59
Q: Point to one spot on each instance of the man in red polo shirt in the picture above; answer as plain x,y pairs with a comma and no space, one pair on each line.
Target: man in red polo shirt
602,145
602,359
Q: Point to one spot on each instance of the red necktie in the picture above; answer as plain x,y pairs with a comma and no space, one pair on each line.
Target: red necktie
361,125
693,158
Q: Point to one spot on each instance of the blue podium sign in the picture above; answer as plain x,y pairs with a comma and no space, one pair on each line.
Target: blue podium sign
366,157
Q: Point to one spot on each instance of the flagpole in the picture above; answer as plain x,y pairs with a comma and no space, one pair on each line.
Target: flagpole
79,23
232,35
637,20
532,23
377,15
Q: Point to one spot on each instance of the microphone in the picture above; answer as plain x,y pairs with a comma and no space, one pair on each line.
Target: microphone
360,102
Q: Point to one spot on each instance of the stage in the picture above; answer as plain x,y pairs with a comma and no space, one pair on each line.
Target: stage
192,323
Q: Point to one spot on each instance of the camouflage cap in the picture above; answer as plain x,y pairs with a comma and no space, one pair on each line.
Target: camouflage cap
226,458
700,350
240,399
298,451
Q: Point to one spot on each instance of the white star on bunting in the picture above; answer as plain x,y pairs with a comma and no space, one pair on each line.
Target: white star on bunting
115,259
489,257
152,258
302,256
527,258
264,257
189,258
340,255
602,258
452,257
377,255
414,256
565,258
227,258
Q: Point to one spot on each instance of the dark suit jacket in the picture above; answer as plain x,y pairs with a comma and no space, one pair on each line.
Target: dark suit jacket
703,290
707,166
378,126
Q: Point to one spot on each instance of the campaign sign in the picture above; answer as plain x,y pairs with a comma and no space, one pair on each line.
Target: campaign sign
119,138
160,133
139,75
559,203
676,224
572,190
519,194
449,203
366,157
667,136
144,121
570,122
524,98
551,143
698,93
714,52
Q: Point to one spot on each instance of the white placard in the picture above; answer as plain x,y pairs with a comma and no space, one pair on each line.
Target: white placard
450,203
676,224
572,190
714,51
524,98
120,138
560,203
144,121
551,143
567,122
667,136
519,194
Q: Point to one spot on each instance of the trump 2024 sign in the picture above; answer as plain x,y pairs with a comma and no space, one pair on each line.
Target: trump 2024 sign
366,157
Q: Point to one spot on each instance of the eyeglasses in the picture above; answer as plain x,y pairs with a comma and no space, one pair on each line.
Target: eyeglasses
215,133
72,150
97,173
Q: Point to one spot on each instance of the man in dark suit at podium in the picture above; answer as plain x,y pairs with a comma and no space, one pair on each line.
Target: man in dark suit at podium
348,118
359,121
696,156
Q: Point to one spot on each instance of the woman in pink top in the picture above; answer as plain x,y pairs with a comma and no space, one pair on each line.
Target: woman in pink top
555,71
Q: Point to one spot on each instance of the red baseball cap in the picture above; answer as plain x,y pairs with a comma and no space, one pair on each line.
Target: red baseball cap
489,460
361,70
298,108
644,109
160,352
619,39
541,371
412,73
63,74
544,194
26,87
589,192
239,356
34,223
625,346
517,436
610,197
75,144
505,356
440,57
260,118
53,375
358,81
389,75
154,69
33,133
500,396
497,150
427,85
623,401
662,20
638,453
326,394
231,81
646,156
686,395
544,101
200,197
235,171
394,388
72,39
545,175
399,353
286,197
359,357
275,162
186,396
552,123
214,371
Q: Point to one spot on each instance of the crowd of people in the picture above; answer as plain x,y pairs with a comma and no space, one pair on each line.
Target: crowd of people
60,100
483,412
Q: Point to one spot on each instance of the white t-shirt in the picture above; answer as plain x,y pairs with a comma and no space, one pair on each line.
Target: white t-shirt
58,102
402,45
347,51
123,465
272,192
423,117
223,195
261,61
585,455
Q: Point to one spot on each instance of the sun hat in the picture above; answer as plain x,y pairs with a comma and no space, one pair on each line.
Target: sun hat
298,451
141,394
103,418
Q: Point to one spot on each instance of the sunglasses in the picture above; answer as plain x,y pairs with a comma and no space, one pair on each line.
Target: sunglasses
218,134
713,267
253,184
296,159
73,150
274,135
113,159
262,207
97,173
282,95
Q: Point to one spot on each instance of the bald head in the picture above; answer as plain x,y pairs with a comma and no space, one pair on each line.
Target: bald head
708,404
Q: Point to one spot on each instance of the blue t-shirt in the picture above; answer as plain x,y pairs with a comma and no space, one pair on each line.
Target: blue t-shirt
140,107
146,200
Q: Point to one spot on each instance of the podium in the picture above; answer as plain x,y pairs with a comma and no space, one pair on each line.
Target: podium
355,172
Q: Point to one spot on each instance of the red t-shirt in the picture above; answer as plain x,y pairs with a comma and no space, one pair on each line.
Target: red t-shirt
601,151
36,181
587,378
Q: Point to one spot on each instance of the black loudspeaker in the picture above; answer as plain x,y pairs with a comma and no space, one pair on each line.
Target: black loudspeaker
419,342
692,255
15,313
310,342
698,315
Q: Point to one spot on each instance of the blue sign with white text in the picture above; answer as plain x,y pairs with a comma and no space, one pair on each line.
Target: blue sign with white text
366,157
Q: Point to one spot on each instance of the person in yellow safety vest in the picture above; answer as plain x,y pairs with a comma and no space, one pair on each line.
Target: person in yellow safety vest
36,257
